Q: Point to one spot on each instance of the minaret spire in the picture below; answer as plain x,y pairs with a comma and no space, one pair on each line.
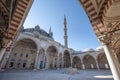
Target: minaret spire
65,32
50,30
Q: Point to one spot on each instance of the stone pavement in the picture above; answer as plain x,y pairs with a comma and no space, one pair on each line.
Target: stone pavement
55,75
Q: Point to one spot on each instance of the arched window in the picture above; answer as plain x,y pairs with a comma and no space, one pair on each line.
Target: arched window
11,64
24,65
26,55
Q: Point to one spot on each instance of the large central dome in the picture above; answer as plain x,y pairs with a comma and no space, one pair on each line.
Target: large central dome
37,31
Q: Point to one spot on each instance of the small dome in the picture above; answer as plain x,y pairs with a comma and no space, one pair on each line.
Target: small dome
88,49
37,27
99,48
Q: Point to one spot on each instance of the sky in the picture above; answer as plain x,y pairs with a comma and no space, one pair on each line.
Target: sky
46,13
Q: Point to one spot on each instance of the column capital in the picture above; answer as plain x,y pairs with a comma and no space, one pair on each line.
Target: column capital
103,40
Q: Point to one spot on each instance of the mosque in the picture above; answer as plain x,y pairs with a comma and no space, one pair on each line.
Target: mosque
34,48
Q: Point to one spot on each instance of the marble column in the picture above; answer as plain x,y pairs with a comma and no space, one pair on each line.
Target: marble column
36,60
2,51
62,61
58,62
47,61
83,66
44,60
111,58
5,59
71,61
97,64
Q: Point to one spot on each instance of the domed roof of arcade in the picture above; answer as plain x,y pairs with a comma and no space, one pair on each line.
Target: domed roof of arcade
88,49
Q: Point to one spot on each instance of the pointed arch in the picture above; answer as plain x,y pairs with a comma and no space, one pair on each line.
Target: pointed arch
52,56
67,61
27,38
89,62
24,53
102,61
76,62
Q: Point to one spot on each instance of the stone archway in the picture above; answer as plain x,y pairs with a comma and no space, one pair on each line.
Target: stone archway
76,62
89,62
23,55
67,61
52,57
102,61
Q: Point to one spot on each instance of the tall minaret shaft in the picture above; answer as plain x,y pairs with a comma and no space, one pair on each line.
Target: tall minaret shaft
65,32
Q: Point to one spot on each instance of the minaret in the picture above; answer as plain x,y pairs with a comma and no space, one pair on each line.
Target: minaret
65,32
50,30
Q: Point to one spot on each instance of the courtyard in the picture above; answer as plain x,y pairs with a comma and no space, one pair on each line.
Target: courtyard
55,75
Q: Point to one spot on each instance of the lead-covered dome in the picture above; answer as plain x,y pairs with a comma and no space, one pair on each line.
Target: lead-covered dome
37,32
88,49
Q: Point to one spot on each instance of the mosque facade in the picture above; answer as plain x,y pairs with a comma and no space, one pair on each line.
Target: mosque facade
34,48
104,16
